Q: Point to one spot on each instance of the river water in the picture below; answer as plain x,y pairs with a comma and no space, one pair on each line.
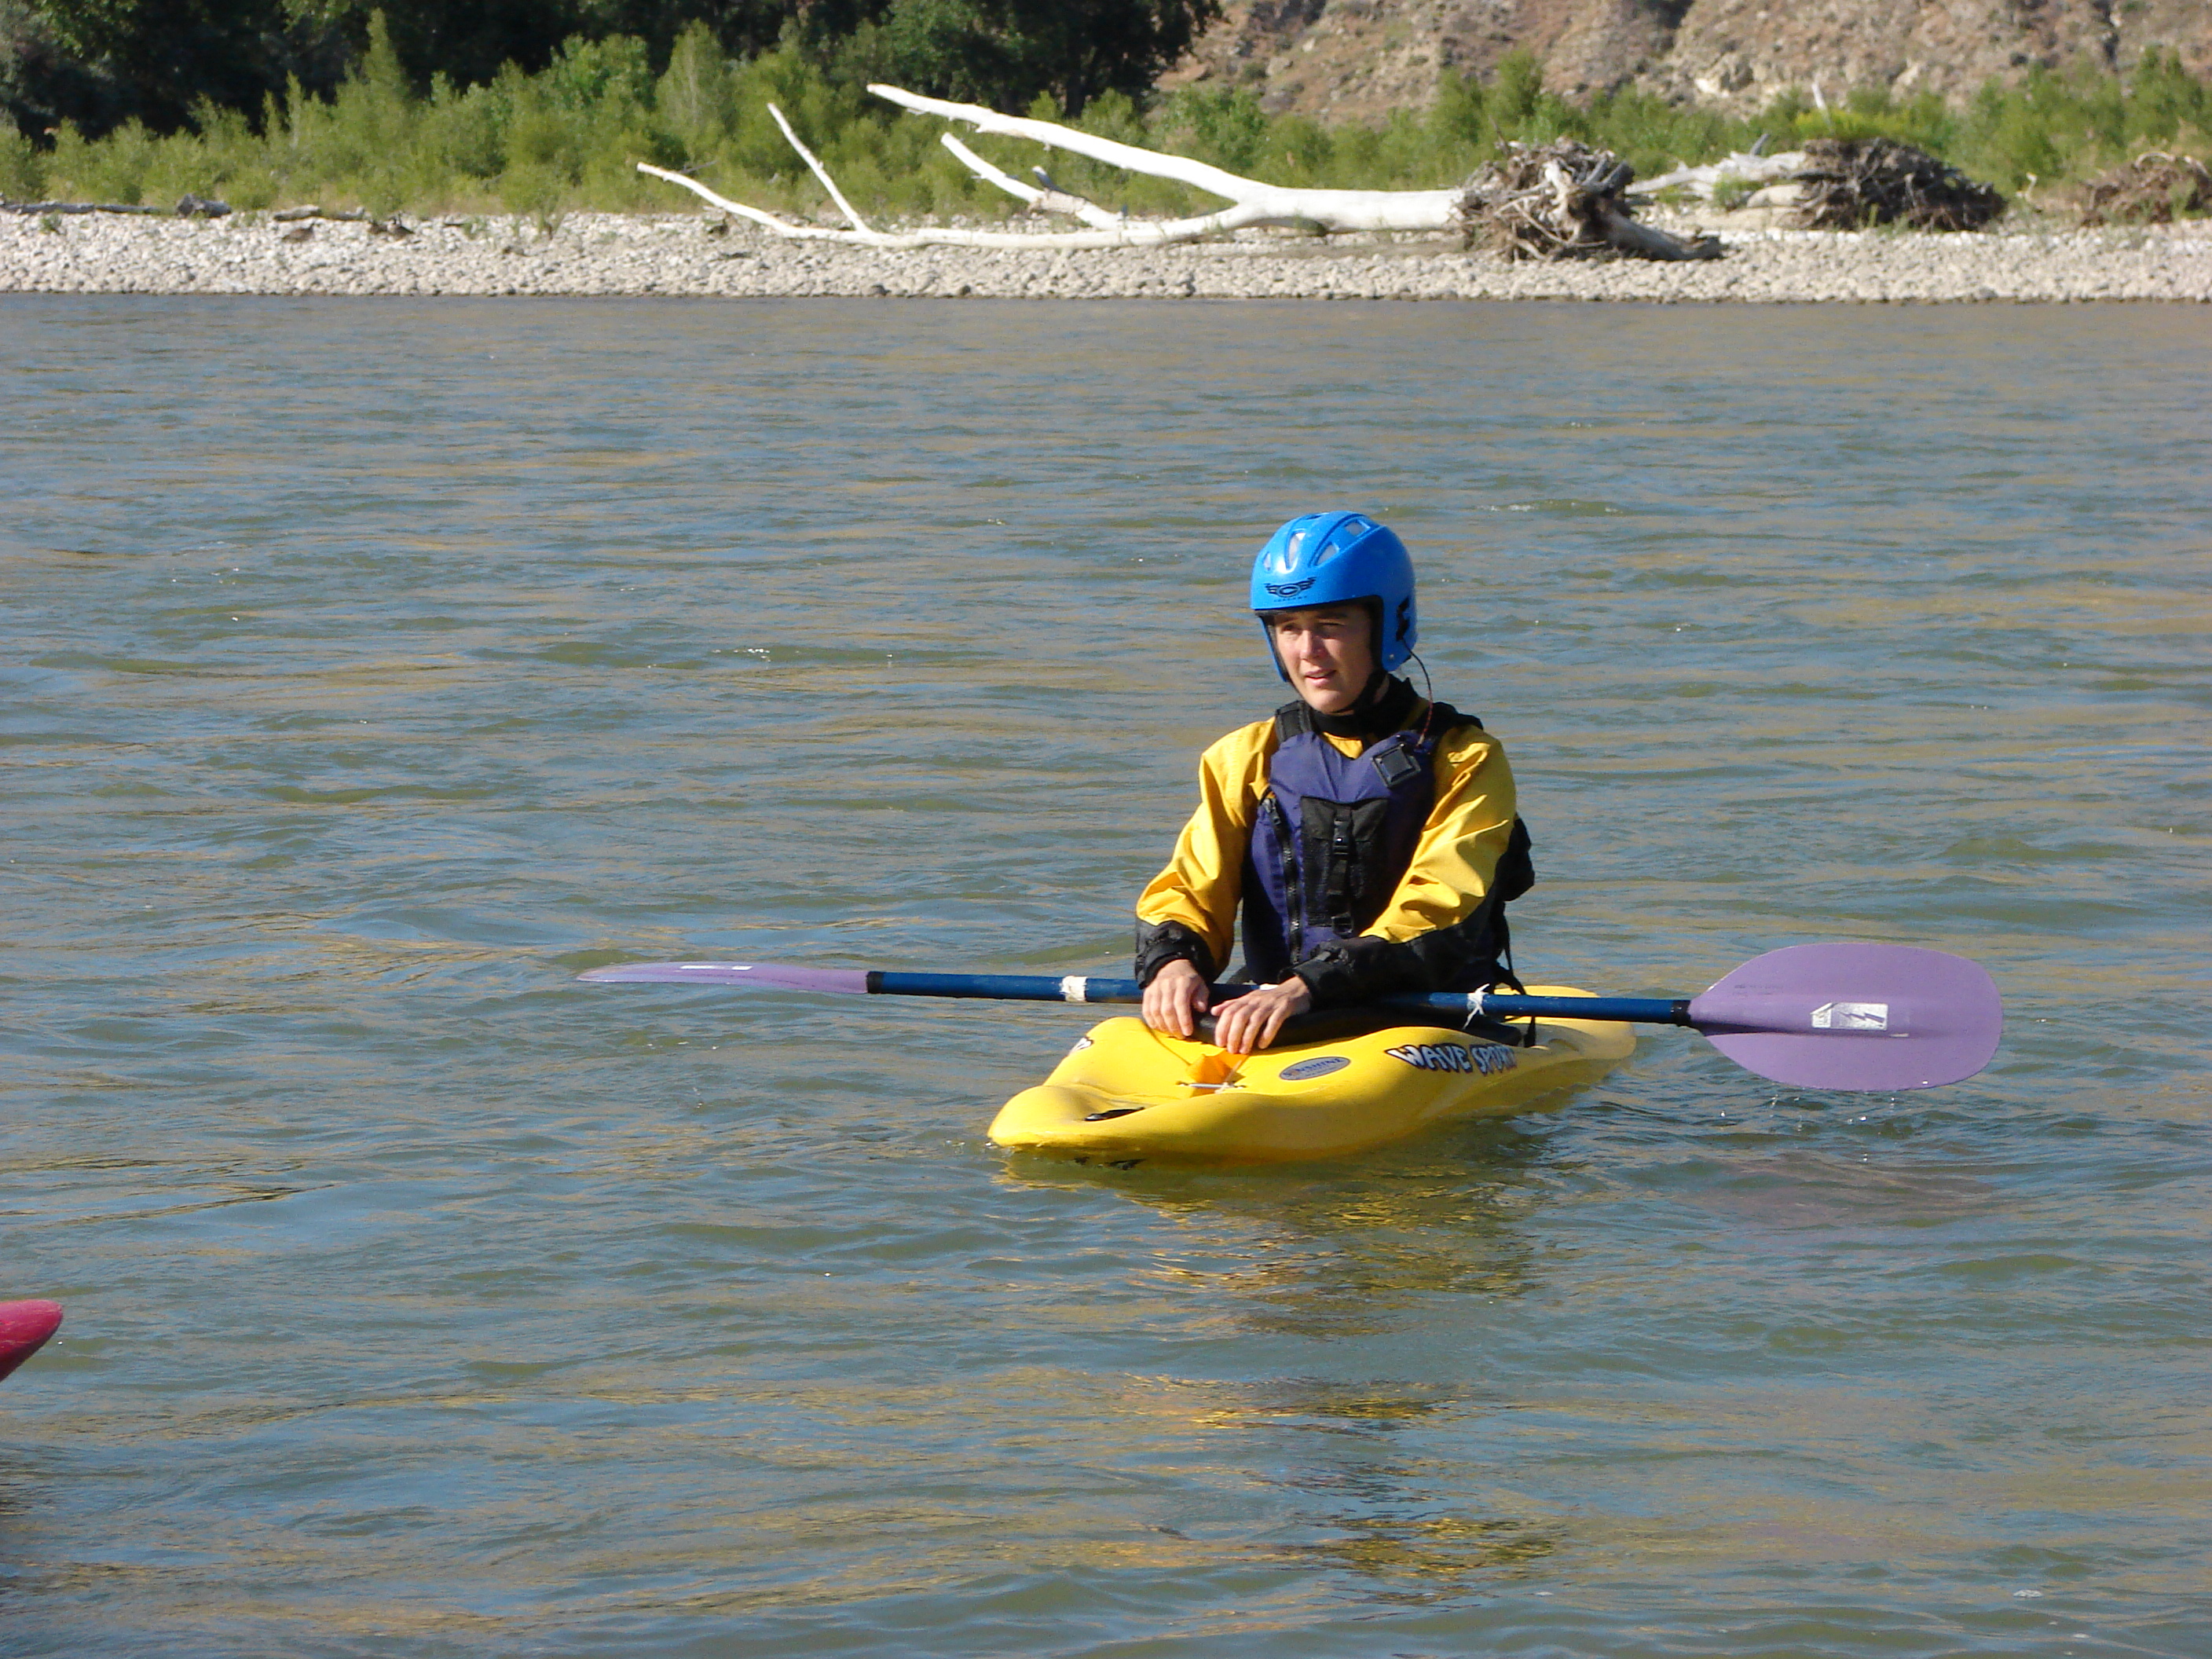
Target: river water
373,667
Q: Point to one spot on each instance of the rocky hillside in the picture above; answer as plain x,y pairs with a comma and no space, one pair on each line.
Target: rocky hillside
1359,59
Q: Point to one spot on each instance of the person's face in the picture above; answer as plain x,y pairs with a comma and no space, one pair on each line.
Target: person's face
1328,652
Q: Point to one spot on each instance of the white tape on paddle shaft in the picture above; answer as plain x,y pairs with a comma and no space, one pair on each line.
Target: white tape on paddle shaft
1852,1016
1071,989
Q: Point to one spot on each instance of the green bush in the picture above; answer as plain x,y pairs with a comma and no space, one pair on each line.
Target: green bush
113,170
695,99
1224,126
22,169
1733,193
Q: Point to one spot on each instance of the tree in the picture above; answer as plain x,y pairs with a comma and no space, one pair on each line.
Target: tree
101,62
154,59
742,28
1004,52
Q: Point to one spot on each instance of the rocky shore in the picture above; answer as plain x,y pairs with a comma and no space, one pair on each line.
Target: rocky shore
690,255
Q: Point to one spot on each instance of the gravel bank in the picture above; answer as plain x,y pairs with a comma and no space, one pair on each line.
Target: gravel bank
689,255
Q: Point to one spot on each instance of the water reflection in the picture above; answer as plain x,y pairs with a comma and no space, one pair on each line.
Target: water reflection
1376,1509
1794,1190
1347,1262
1343,1250
1417,1560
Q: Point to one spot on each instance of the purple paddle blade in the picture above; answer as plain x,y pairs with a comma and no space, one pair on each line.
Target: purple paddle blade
853,980
1876,1016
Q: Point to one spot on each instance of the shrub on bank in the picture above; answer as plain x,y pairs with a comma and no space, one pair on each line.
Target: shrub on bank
568,138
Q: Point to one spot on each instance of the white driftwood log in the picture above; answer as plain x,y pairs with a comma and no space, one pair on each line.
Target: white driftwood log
1331,209
1701,182
1048,200
1251,202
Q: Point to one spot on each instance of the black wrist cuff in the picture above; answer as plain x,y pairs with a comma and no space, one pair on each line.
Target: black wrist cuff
1161,943
1348,972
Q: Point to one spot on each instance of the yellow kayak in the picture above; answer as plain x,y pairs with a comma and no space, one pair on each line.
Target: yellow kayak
1127,1095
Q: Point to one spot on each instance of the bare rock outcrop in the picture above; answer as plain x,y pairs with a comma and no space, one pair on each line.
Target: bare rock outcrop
1360,59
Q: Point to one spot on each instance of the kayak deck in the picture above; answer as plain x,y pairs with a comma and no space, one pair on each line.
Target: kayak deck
1126,1094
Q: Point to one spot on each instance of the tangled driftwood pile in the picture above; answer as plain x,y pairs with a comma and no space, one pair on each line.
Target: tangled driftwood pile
2154,189
1847,184
1564,201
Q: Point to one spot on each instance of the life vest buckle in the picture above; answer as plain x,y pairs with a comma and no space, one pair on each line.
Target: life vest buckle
1394,764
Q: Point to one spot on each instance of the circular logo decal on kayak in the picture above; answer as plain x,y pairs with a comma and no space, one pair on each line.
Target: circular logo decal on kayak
1312,1068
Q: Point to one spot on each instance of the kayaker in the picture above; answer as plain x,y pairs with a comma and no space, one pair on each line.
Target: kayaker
1368,833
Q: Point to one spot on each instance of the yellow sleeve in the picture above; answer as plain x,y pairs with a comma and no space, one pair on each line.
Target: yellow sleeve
1457,857
1204,877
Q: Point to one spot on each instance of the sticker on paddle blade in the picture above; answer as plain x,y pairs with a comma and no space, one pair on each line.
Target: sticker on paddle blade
1488,1061
1306,1070
1852,1016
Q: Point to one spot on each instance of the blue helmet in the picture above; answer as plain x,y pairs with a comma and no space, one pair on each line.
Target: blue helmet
1339,558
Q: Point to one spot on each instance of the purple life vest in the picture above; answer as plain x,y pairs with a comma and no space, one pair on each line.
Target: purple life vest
1333,836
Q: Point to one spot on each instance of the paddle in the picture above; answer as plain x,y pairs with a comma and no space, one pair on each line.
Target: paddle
1871,1016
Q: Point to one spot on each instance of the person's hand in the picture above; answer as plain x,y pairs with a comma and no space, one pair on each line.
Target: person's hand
1251,1021
1174,999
